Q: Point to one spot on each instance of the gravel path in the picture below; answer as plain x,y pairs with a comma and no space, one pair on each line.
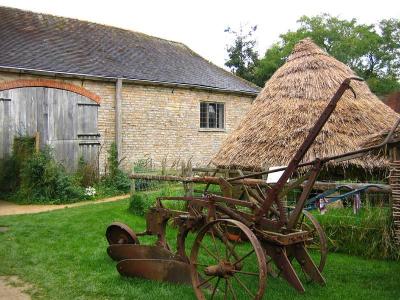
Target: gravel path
12,288
9,208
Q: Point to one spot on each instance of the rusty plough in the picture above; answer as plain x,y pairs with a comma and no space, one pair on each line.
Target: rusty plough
242,235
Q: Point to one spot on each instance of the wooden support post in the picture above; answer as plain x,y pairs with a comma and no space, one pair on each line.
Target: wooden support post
187,171
118,117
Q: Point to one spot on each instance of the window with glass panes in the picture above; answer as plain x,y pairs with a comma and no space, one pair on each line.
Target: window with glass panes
212,115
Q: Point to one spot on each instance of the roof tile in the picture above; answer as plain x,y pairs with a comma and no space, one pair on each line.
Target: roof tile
56,44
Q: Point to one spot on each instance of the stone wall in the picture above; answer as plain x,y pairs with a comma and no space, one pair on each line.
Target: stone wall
159,123
164,123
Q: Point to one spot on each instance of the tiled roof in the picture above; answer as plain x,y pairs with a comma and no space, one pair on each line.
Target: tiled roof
44,42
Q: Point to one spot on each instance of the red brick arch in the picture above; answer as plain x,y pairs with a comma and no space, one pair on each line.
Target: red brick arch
20,83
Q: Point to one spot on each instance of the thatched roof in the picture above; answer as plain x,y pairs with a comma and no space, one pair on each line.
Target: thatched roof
380,137
290,103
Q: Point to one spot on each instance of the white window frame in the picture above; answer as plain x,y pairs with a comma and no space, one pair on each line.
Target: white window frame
207,118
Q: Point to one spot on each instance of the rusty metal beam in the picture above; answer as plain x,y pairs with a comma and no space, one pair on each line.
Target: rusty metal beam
295,215
319,185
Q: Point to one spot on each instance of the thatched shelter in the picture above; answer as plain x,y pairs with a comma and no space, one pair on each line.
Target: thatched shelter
288,106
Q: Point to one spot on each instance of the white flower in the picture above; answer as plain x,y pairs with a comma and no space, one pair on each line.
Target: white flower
90,191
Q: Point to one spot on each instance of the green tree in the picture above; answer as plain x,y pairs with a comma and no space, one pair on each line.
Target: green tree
243,57
372,51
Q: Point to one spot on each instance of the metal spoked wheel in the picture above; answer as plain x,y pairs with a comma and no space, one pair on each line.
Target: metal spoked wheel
318,243
120,233
223,267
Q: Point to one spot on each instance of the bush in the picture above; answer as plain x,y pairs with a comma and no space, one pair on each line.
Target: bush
115,181
368,234
45,180
139,204
30,177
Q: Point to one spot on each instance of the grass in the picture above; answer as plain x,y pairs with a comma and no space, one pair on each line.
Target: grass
369,233
63,254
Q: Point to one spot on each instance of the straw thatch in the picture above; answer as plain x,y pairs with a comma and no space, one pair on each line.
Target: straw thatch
379,137
290,103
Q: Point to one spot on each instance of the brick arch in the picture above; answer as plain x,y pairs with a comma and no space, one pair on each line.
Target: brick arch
20,83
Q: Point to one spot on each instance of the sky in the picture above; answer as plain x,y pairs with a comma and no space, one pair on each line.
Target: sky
200,24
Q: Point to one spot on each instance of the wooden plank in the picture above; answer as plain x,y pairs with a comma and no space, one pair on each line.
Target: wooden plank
66,152
88,116
89,152
50,116
88,104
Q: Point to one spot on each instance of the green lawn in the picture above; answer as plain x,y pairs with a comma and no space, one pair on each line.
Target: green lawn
63,254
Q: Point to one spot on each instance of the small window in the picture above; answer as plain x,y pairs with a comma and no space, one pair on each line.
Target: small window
212,115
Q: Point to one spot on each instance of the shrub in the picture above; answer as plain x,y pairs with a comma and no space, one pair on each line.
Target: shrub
115,181
139,204
45,180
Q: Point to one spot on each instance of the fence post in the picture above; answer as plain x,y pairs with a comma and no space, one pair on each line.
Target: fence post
187,171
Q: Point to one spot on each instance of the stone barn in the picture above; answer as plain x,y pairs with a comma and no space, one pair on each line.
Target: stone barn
79,86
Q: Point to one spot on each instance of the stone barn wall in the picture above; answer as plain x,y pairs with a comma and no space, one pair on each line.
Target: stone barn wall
158,122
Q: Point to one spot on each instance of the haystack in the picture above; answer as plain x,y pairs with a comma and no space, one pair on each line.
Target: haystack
288,106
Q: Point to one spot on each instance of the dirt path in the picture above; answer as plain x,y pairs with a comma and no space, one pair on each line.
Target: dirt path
12,288
9,208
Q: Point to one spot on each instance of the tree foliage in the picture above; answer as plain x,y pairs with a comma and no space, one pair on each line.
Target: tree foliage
372,51
243,57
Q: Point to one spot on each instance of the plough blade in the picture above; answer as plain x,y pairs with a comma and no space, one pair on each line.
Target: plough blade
156,269
284,264
307,264
120,252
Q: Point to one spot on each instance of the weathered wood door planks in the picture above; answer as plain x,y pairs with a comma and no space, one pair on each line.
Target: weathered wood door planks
67,122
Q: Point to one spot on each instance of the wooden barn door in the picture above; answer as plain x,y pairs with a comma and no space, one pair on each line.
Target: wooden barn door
66,121
72,127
